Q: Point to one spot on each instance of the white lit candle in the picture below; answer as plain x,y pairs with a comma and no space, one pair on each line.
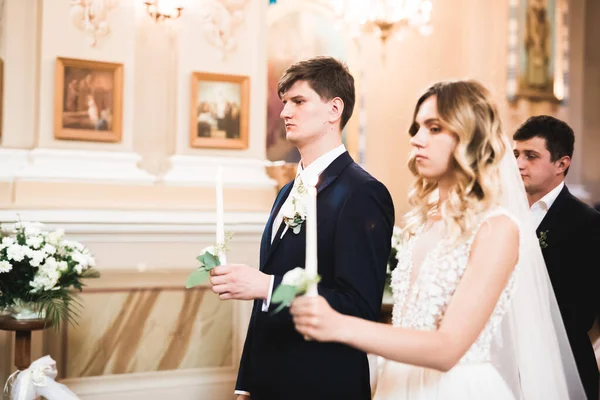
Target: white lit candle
220,214
311,237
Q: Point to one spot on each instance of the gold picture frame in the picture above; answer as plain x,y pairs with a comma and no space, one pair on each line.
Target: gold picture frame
88,100
539,50
219,111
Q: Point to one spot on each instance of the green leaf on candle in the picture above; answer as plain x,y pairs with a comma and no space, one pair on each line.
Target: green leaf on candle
283,295
208,260
295,283
198,277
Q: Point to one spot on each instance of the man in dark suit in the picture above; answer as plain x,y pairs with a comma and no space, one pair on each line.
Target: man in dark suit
568,230
355,221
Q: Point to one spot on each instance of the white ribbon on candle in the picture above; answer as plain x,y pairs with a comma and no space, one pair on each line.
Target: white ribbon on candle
38,380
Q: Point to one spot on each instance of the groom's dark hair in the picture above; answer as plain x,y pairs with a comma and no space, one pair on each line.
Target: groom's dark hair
558,135
327,76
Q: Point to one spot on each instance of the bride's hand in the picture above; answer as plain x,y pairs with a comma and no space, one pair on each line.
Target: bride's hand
315,319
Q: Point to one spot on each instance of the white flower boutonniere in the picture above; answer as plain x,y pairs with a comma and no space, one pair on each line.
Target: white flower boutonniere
294,283
543,239
294,210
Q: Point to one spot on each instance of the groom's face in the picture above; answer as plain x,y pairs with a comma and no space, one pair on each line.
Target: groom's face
305,113
540,174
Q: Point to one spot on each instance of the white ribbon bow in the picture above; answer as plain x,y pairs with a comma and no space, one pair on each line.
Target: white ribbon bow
38,380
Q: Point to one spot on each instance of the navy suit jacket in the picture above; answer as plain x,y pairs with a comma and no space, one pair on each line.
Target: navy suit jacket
355,217
573,237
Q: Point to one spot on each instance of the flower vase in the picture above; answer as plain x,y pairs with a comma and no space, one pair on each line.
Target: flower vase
26,310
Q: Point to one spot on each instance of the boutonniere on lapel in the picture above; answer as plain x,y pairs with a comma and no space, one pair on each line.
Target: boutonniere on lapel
294,211
543,237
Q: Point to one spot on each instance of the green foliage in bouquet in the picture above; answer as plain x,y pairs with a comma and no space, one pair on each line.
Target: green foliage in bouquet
208,258
294,283
41,267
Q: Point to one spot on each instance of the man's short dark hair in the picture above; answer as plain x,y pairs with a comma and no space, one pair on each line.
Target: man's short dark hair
327,76
559,136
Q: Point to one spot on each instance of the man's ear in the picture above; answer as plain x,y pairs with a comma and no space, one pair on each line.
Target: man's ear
337,108
562,164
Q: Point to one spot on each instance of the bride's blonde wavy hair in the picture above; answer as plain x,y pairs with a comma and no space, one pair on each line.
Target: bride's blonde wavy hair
467,111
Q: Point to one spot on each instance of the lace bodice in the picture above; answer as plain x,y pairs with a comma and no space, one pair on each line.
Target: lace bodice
422,306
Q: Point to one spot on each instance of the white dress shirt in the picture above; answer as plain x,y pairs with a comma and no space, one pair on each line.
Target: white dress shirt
540,208
308,174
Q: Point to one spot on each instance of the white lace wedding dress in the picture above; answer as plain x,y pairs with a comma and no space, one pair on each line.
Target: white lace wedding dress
421,305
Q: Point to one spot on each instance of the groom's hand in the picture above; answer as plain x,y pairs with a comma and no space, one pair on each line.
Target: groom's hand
239,282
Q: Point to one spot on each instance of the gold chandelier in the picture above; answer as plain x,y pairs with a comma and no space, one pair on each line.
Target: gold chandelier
385,18
160,11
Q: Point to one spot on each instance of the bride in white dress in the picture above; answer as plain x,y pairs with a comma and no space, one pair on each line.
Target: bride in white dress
474,313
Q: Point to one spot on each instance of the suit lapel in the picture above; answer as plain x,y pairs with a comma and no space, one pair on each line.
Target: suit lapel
551,219
327,177
330,174
266,246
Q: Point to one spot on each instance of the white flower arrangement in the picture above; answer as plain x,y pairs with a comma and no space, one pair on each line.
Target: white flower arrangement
39,270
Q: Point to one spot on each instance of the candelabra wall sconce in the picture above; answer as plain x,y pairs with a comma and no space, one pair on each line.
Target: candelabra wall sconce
220,19
90,16
160,12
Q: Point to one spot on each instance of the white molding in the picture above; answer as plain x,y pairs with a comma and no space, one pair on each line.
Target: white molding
183,384
143,222
87,166
202,171
12,161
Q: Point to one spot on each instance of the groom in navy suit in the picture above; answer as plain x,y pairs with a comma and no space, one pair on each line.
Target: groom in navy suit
355,221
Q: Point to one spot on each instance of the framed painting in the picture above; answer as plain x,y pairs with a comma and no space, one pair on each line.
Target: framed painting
538,48
88,102
219,110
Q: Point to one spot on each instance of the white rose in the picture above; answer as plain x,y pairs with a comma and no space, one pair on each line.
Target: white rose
7,241
81,260
55,237
62,266
296,277
5,266
34,241
49,266
16,252
36,256
49,249
42,281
